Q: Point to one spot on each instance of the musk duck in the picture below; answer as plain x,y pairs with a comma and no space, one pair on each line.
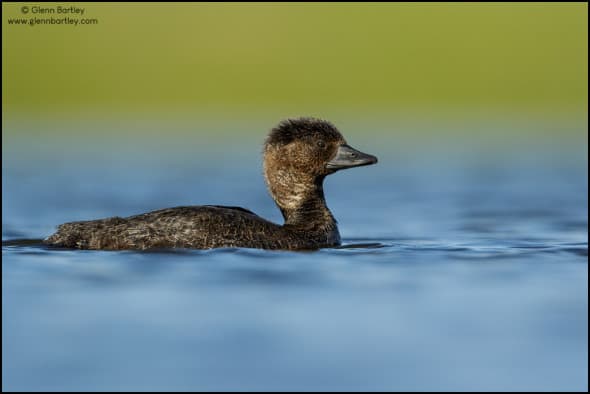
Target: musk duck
298,155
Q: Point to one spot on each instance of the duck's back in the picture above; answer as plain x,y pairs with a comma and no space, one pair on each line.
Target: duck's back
198,227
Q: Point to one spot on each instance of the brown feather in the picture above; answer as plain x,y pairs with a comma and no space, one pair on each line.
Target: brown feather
295,157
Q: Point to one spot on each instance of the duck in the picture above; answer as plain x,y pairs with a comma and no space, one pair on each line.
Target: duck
298,154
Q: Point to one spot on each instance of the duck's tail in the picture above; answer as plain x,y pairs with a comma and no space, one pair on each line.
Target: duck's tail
69,235
92,234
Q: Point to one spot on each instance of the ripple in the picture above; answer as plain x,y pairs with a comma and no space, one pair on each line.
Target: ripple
483,249
23,242
368,245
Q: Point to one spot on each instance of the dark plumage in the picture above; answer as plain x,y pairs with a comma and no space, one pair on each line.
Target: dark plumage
298,155
289,130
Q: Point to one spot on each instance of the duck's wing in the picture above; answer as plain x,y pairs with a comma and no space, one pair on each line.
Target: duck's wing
189,211
231,207
200,227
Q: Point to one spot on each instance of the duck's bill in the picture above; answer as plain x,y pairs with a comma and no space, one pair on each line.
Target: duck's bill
348,157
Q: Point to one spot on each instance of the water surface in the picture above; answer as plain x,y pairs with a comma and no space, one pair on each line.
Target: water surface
457,272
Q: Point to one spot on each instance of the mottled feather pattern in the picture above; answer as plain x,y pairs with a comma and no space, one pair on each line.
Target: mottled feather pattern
200,227
295,157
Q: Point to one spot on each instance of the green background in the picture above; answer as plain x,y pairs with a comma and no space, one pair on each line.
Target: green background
199,68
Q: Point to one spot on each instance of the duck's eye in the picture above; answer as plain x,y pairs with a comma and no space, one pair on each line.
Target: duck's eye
321,144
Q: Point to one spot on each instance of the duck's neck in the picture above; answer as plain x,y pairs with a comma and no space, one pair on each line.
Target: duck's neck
311,212
304,207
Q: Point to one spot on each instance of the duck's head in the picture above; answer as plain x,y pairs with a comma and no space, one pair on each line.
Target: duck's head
300,153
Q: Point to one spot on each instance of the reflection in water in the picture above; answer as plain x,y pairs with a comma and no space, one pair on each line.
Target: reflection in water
432,289
23,242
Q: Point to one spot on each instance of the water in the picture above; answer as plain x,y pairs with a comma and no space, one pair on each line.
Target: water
459,271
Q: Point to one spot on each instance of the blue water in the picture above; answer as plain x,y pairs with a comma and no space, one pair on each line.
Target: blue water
460,270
